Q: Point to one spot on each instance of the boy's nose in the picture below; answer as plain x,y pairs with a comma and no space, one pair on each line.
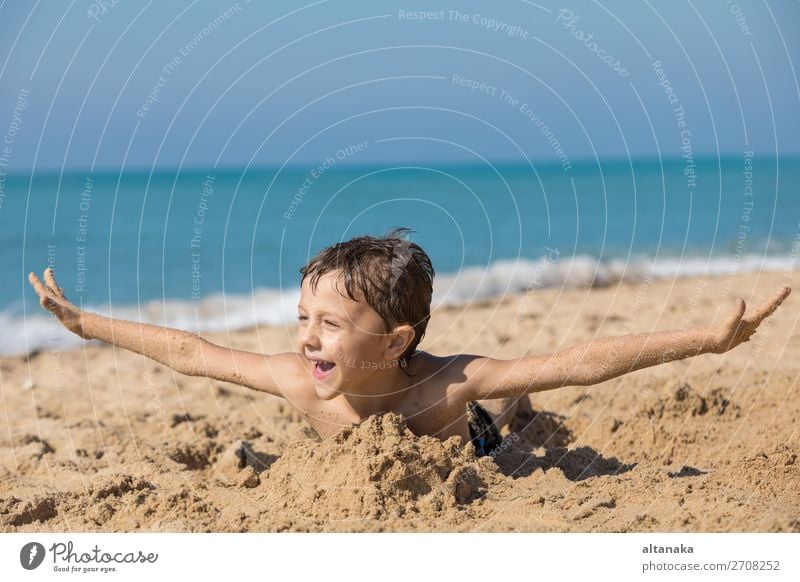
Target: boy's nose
308,336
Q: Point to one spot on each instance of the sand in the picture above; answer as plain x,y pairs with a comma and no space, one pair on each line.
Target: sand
100,439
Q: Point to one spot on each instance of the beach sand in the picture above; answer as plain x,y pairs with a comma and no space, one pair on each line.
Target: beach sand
101,439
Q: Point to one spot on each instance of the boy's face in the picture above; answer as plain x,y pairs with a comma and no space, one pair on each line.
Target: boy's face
344,342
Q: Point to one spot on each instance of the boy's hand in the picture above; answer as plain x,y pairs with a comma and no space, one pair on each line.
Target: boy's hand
738,329
52,298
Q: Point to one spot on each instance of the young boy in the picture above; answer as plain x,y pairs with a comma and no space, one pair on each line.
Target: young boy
364,307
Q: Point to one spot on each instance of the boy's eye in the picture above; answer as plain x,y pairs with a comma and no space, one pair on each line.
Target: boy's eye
302,317
331,323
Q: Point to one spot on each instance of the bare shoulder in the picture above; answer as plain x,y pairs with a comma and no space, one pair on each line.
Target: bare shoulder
285,374
458,373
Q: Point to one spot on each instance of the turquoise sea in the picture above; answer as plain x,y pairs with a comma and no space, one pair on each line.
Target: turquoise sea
213,249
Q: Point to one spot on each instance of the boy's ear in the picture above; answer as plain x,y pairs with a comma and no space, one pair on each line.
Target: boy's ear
399,340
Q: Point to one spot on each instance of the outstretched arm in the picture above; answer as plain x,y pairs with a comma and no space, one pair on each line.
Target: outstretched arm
184,352
600,360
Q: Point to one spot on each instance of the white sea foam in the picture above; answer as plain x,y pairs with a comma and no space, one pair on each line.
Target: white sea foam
278,307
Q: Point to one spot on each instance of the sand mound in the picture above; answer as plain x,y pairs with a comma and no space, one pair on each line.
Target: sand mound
669,428
685,402
377,470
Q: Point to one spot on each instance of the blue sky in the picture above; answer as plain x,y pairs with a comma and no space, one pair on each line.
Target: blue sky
282,82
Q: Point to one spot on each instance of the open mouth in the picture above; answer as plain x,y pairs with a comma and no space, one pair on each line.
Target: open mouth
323,369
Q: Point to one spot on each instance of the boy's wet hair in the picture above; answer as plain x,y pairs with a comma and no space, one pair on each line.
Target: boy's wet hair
392,274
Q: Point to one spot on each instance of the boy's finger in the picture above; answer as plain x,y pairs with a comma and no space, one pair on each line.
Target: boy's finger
769,306
37,285
736,315
50,279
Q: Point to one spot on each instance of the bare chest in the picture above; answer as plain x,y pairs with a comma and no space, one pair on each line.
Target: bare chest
428,410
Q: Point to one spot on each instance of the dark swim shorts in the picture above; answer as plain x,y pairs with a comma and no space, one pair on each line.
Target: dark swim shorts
482,432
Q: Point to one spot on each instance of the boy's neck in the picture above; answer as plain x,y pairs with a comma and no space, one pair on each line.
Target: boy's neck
386,389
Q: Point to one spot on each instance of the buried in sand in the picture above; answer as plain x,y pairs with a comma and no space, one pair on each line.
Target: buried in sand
415,441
